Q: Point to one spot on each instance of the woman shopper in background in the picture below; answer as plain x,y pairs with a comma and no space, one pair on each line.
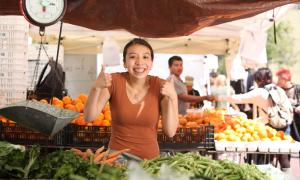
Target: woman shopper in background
260,97
136,101
293,92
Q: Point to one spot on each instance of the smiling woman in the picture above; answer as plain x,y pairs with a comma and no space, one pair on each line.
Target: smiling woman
136,101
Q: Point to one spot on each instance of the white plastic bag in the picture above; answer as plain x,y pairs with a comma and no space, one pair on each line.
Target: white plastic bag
111,52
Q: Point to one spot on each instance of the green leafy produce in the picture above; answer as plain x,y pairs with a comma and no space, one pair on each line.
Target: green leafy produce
195,166
6,148
67,165
15,162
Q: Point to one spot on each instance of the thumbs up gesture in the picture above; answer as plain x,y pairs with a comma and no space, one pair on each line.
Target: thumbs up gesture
103,80
167,89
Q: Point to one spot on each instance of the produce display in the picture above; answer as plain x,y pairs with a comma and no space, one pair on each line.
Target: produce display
196,166
209,129
232,132
237,133
18,163
77,104
239,129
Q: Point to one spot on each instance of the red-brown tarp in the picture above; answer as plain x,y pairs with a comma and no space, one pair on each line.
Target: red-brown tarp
155,18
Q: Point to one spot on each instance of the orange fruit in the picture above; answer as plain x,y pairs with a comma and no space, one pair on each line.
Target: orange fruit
55,100
79,107
82,97
97,122
3,119
77,100
199,121
106,122
280,134
107,115
263,134
67,100
106,108
80,121
101,116
59,104
182,121
70,107
191,124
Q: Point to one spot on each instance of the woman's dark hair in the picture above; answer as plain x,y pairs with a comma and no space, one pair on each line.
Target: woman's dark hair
174,58
263,76
138,41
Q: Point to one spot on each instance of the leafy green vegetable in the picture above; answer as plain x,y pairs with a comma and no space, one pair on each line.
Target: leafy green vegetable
6,148
15,162
67,165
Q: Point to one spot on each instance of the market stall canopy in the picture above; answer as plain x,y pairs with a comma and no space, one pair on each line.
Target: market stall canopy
163,18
209,40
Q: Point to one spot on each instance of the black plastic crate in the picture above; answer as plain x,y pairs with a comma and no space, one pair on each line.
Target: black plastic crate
187,139
17,134
87,136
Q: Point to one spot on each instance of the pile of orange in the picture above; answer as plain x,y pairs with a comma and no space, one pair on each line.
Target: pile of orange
196,119
77,104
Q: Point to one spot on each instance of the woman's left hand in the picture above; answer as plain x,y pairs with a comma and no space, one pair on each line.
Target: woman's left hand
167,89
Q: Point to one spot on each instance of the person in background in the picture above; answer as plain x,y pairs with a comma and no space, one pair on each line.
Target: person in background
212,81
189,82
143,99
176,68
260,97
220,88
212,78
293,92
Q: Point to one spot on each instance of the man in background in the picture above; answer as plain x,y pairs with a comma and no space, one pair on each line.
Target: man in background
176,68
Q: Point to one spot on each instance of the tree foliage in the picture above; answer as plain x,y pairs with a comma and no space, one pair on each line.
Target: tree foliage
222,66
282,53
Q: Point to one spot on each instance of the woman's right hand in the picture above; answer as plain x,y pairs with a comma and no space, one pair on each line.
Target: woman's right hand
103,80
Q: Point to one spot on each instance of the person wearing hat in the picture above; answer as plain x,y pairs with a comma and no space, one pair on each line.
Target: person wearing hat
189,82
293,93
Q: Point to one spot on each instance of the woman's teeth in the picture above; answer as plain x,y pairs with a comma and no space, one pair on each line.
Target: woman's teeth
139,70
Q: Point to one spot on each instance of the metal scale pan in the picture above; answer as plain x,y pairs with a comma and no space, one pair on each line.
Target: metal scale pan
38,116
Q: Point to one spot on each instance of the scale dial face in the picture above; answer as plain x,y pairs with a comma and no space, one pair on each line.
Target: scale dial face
43,12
